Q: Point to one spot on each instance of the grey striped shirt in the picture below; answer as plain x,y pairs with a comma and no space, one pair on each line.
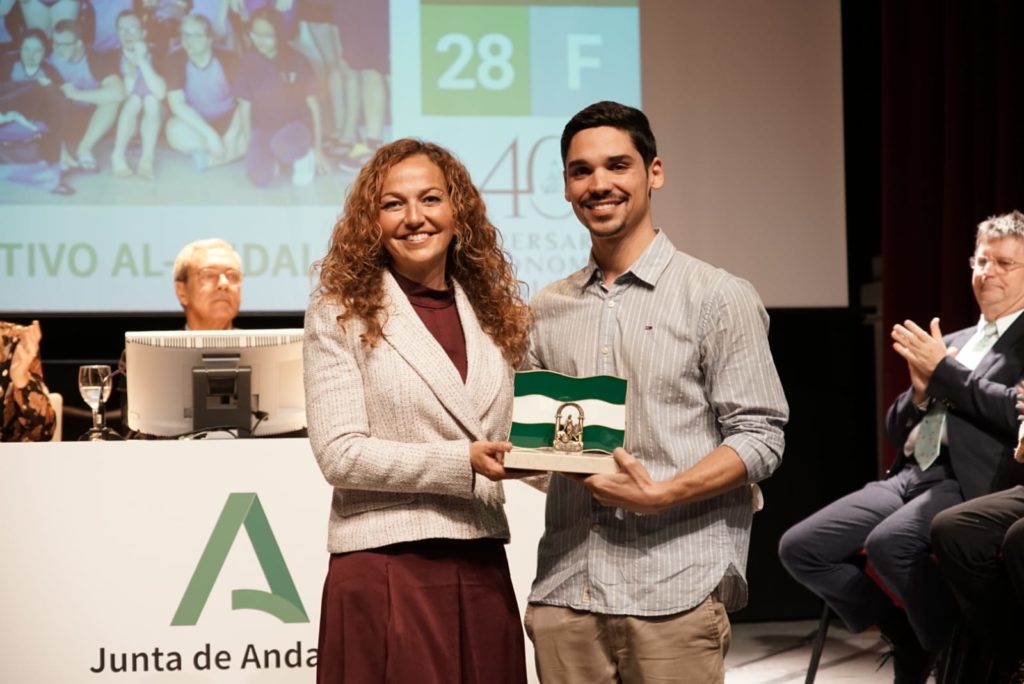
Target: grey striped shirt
692,341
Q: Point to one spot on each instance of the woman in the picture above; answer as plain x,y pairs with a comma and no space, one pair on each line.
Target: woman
32,110
409,354
28,415
142,109
277,99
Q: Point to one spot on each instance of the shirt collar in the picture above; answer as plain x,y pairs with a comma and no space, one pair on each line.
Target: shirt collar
647,268
1001,323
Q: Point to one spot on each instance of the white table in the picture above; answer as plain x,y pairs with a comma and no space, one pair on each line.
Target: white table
100,541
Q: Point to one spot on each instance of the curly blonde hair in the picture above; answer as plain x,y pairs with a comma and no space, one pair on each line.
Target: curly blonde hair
352,272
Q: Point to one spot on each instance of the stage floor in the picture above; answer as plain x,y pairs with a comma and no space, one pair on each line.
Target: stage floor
778,653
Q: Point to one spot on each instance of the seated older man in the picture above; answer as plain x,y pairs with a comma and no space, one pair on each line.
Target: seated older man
208,283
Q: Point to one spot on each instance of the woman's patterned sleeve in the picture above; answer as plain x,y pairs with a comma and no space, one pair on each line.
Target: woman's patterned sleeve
28,415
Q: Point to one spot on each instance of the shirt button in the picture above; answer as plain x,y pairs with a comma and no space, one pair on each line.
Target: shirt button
595,527
604,350
611,304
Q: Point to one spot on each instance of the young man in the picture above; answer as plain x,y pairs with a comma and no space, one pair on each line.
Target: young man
94,91
956,428
208,284
206,121
636,570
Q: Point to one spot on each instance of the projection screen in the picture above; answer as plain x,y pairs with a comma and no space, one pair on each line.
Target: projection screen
743,96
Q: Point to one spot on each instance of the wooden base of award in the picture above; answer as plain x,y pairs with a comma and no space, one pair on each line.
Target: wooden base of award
587,462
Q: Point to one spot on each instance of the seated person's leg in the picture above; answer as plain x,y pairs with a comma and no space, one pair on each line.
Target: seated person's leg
1013,559
260,165
1013,545
220,148
103,118
972,541
821,553
76,119
150,132
375,102
46,105
291,142
182,137
236,140
899,549
127,124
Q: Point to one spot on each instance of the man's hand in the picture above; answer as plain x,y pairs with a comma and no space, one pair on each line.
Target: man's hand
137,52
922,350
631,488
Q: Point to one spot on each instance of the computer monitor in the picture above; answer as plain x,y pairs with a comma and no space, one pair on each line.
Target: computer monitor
184,381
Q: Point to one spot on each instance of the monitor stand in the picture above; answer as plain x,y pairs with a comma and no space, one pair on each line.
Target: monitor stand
222,395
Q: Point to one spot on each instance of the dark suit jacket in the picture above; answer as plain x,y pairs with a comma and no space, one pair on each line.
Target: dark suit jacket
981,423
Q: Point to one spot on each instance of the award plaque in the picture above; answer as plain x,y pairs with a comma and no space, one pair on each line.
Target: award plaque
566,424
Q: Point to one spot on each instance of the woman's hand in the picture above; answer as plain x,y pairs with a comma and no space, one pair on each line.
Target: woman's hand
486,458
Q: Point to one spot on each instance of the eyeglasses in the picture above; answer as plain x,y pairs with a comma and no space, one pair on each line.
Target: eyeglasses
999,266
61,43
211,276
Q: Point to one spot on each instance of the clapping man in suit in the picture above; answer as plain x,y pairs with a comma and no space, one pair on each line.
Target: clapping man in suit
956,428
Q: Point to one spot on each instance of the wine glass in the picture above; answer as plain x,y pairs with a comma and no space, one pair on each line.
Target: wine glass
94,382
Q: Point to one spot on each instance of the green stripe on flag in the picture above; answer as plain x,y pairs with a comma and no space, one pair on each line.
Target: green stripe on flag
565,388
538,435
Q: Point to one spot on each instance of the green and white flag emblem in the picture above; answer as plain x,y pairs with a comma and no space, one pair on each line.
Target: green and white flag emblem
538,394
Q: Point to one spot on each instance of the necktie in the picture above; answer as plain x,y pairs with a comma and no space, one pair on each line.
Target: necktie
929,436
989,333
929,431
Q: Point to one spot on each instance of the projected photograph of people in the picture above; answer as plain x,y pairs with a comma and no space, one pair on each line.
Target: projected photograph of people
195,102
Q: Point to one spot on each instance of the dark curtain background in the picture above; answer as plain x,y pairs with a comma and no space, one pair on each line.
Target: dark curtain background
952,152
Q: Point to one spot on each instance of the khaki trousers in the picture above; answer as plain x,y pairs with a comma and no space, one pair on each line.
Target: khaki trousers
573,646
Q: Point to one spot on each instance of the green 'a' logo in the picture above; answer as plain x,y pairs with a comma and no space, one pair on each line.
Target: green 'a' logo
282,601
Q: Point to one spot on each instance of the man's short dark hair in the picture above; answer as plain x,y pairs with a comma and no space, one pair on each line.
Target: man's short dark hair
68,26
625,118
126,13
203,22
272,17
